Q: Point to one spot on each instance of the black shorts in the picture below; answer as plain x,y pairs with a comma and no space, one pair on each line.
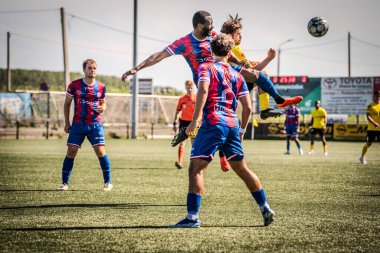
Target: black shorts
319,131
250,86
372,135
183,123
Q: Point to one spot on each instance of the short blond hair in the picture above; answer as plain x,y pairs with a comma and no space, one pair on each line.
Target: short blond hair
189,82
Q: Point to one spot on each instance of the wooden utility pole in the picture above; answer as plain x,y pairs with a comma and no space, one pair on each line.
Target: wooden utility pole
9,87
66,67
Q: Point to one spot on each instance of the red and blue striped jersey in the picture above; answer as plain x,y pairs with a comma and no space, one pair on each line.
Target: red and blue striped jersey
194,51
86,100
292,116
225,88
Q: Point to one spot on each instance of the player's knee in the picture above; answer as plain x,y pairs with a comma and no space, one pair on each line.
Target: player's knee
72,151
100,151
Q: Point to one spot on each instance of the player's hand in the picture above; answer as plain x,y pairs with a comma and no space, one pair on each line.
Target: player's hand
241,137
376,124
271,53
190,130
100,109
128,73
245,63
324,127
67,128
174,129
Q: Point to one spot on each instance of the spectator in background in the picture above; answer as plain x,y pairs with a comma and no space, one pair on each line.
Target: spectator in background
44,86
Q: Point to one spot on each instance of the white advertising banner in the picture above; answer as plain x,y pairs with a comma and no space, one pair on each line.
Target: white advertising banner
346,95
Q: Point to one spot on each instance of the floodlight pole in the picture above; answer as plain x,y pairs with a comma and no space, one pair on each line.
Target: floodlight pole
66,67
279,54
349,54
9,62
135,118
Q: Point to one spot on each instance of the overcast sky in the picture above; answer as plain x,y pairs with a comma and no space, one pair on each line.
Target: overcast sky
36,36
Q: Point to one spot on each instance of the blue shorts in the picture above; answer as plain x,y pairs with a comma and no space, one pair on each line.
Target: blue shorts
211,138
291,131
94,133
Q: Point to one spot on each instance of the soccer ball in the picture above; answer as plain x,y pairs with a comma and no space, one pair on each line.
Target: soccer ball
317,27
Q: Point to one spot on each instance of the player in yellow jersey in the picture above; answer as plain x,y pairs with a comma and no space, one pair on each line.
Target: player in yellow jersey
373,130
233,27
318,126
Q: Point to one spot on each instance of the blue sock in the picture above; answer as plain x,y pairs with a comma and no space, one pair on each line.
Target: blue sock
193,204
106,168
288,146
298,145
261,199
67,168
266,85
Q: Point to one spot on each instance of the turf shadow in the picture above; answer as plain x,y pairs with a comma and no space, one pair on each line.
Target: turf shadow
47,190
127,206
119,227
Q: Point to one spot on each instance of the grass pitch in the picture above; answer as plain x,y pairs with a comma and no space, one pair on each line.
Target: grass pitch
323,204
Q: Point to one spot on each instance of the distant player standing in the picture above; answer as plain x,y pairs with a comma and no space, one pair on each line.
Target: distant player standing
318,126
195,48
291,128
219,89
185,105
373,130
89,102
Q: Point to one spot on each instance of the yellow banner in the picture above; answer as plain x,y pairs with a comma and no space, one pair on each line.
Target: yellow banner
350,131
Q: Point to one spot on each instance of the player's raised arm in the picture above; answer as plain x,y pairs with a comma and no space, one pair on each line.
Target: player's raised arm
261,65
151,60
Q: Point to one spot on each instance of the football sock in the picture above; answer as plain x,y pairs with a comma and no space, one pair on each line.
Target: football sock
67,168
106,168
266,85
288,143
181,151
298,144
193,205
264,101
325,148
311,146
261,199
364,150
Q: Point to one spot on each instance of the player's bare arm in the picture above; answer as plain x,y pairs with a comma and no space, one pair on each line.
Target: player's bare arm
66,111
261,65
244,63
199,104
372,121
151,60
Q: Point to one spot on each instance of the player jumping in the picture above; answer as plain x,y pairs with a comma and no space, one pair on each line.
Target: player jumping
219,89
233,27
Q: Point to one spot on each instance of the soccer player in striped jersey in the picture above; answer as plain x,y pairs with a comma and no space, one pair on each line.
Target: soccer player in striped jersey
220,88
373,130
185,106
195,48
89,102
291,128
233,27
318,126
